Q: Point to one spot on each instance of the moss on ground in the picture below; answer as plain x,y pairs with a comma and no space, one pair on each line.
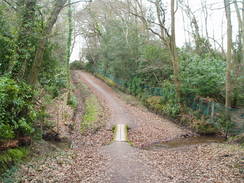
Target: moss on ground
107,80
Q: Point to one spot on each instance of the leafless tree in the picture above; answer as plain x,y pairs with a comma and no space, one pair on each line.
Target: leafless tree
228,55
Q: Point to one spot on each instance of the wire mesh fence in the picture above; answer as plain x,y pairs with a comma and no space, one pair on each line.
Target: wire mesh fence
216,114
213,111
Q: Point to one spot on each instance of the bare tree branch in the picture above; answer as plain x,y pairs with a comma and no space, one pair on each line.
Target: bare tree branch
80,1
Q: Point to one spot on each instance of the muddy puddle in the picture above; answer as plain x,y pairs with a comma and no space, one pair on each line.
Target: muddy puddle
184,142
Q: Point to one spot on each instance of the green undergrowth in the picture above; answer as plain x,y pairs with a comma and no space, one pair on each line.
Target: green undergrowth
10,157
72,101
92,113
107,81
17,109
92,108
187,117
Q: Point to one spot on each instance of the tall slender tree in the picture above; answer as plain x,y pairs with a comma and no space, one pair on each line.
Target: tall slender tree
229,54
25,43
174,55
69,40
33,74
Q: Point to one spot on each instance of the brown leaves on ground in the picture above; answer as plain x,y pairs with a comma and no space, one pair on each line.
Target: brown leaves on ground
83,163
206,163
217,163
153,128
64,166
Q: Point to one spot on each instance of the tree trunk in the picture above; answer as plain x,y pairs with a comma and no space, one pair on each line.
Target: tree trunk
240,19
174,55
238,59
162,32
33,75
69,41
242,33
228,55
25,49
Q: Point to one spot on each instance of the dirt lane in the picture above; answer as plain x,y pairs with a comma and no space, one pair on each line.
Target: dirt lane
93,159
146,124
195,163
119,114
124,162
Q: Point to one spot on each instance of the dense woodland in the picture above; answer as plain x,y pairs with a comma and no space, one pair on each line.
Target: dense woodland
131,44
35,50
134,44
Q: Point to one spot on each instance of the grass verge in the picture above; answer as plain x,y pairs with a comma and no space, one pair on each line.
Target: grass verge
91,114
